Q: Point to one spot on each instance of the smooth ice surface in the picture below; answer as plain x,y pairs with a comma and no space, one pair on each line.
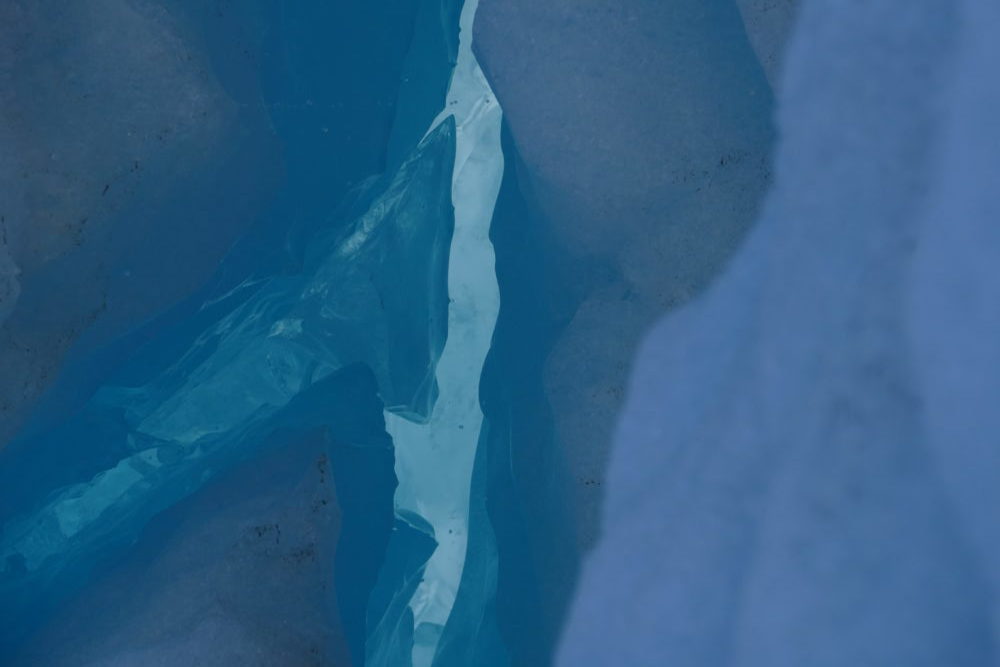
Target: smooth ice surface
340,271
243,366
804,472
530,544
639,138
10,286
290,333
434,460
142,138
768,25
953,298
150,384
644,136
215,579
119,136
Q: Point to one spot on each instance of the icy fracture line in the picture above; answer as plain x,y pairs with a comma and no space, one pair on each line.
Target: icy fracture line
434,460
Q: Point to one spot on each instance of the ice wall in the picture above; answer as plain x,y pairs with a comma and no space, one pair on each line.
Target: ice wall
435,458
951,299
643,129
800,474
345,286
525,489
10,286
216,578
142,140
768,25
639,142
240,368
118,135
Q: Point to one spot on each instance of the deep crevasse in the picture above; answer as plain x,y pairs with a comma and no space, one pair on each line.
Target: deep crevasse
434,459
373,293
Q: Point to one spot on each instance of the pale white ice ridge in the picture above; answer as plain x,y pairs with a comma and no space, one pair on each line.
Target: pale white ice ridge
434,460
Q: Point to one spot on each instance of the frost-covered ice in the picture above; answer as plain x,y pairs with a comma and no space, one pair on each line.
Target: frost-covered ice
805,473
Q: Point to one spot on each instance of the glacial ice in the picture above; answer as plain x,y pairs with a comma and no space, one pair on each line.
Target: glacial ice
952,295
214,579
10,286
278,359
435,460
118,137
422,420
768,25
804,471
644,179
639,182
530,543
252,359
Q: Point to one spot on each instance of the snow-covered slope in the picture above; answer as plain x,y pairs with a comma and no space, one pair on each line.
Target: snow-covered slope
803,474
